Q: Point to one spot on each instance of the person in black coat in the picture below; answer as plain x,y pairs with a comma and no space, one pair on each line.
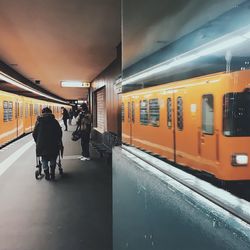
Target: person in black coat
65,117
48,137
84,122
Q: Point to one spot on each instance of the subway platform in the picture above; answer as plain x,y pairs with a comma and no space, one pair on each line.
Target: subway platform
72,212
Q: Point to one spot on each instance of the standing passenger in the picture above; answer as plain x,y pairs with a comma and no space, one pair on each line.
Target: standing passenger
70,116
48,137
85,126
65,117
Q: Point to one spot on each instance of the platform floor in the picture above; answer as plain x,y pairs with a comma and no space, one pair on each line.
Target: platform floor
72,212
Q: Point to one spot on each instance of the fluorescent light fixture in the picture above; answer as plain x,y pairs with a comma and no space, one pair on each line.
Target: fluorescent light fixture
13,81
160,68
222,45
75,84
209,48
247,35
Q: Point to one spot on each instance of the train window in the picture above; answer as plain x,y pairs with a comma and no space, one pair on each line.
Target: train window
16,109
129,111
208,114
5,111
10,113
144,112
123,112
180,113
21,109
169,112
133,112
154,112
31,109
36,109
26,110
236,114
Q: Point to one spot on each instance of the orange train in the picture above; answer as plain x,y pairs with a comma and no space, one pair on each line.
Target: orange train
202,123
18,115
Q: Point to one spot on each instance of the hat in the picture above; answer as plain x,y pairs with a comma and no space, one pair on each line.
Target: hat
46,110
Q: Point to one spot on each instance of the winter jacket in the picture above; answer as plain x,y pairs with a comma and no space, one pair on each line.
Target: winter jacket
47,135
85,122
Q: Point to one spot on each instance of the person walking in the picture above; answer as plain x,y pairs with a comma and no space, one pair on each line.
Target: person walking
84,122
71,115
48,137
65,117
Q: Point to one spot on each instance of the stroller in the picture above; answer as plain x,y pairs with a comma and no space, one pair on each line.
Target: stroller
38,172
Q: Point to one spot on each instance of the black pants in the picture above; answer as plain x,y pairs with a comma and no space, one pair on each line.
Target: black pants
85,143
65,123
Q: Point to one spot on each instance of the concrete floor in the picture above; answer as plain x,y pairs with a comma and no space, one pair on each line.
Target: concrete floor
73,212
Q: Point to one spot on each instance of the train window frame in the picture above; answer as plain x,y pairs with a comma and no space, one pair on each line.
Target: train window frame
122,112
180,120
169,112
142,120
10,111
205,128
133,111
236,116
5,111
154,112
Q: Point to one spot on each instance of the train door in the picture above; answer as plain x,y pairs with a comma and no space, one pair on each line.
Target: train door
130,119
169,111
31,116
125,121
207,134
16,116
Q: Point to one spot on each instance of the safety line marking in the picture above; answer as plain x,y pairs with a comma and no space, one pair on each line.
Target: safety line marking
12,158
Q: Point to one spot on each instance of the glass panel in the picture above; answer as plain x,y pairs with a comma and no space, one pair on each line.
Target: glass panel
144,112
133,112
169,112
16,109
21,109
26,110
129,112
236,114
154,112
179,113
5,111
36,109
123,112
31,109
208,114
10,113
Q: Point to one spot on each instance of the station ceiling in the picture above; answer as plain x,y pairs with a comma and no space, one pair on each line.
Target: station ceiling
149,25
55,40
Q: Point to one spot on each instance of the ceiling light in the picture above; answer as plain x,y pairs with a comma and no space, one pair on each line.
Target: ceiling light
75,84
222,45
247,35
210,48
16,83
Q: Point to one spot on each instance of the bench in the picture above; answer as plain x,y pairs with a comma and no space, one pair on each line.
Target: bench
104,148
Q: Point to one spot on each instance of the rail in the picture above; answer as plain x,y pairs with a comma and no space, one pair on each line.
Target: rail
234,205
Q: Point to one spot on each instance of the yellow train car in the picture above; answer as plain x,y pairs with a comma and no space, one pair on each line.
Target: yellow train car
18,115
202,123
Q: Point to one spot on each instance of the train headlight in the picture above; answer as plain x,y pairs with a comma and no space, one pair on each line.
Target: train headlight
239,160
